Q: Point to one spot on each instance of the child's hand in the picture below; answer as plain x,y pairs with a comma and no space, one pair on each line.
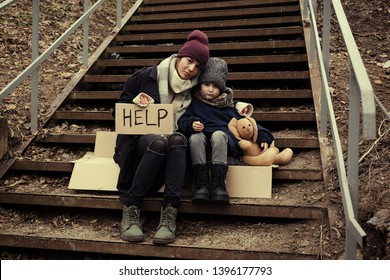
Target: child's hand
197,126
265,146
244,111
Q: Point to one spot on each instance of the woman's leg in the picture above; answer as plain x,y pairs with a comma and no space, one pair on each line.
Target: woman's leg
152,149
174,179
175,169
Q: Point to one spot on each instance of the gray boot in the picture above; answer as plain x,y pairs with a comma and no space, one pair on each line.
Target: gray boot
166,229
130,227
218,184
202,183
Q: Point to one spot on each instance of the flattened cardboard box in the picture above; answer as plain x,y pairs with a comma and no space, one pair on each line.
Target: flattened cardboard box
98,171
249,181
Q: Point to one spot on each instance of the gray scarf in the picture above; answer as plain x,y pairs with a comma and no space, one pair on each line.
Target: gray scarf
225,99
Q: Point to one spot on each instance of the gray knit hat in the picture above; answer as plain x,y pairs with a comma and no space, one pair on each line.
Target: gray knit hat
216,72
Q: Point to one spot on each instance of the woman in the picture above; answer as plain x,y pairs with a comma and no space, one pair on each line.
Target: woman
149,161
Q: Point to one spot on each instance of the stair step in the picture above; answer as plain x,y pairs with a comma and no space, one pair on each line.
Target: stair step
237,207
176,2
213,25
308,143
242,46
221,34
172,6
115,246
285,173
204,15
88,231
237,76
238,94
243,60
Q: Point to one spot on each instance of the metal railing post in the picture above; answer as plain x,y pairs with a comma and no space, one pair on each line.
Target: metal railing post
326,34
118,13
353,158
353,141
363,83
305,10
314,41
325,59
35,73
85,36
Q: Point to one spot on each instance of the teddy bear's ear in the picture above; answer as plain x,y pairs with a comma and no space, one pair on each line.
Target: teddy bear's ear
232,125
255,129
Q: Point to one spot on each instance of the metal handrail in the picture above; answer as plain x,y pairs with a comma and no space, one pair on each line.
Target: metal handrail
37,59
362,92
6,3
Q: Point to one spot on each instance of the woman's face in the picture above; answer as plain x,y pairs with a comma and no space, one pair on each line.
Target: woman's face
209,90
187,67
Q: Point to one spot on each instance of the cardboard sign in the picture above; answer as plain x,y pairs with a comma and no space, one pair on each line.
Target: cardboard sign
153,119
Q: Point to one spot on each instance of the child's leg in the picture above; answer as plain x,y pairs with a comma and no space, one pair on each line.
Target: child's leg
219,145
198,145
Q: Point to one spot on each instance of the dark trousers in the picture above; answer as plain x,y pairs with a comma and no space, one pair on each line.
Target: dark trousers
162,161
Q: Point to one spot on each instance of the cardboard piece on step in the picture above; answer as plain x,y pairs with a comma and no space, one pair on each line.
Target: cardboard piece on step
249,181
98,171
243,181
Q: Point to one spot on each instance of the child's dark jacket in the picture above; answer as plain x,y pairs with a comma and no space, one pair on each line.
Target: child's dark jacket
217,118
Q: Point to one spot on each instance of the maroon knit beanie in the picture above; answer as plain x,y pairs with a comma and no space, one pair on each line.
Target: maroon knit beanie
197,47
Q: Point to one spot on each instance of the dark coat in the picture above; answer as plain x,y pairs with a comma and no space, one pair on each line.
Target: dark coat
217,118
144,80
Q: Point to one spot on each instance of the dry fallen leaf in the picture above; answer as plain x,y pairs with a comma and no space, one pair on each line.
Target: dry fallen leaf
66,75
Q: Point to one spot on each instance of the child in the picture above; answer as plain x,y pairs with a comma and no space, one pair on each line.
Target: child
206,120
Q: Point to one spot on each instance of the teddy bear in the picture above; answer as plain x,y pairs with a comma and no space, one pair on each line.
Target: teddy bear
245,131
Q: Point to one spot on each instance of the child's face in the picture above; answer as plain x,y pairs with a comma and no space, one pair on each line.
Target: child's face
209,90
187,67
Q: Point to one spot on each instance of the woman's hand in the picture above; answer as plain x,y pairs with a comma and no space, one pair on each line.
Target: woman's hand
143,100
197,126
